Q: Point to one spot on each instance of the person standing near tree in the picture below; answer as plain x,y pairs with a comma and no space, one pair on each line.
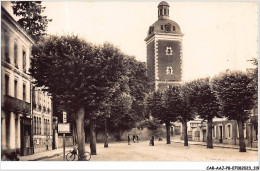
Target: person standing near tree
134,138
128,139
137,138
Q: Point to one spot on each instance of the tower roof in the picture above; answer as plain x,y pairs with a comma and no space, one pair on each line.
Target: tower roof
163,3
164,25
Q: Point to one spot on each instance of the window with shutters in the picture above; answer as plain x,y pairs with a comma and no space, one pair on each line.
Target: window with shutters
15,55
6,45
6,84
24,61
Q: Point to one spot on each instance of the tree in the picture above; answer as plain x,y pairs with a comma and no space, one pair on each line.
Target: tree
121,118
254,75
139,86
173,104
236,94
179,104
109,74
80,75
32,20
204,102
158,107
127,102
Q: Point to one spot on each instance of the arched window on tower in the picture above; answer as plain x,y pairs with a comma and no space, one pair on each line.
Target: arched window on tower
173,28
169,70
168,51
161,27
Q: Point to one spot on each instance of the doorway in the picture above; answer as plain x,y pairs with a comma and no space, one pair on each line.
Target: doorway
220,134
204,135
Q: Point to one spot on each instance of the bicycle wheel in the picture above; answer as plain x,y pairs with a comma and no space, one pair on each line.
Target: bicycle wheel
70,157
87,156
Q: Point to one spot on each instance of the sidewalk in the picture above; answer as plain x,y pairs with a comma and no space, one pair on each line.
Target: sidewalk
214,145
45,154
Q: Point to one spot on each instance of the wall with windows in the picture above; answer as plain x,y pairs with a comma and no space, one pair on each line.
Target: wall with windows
42,120
169,62
15,82
227,132
15,86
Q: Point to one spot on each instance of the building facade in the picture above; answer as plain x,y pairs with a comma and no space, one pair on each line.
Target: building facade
225,131
42,120
16,116
26,113
164,50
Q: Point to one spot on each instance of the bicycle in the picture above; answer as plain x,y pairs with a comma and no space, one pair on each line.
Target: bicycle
73,153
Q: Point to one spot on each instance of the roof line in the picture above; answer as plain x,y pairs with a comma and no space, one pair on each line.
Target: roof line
12,20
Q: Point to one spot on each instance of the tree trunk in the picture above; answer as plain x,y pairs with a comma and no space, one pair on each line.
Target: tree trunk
80,133
209,136
168,135
184,131
74,134
119,135
93,148
106,135
242,145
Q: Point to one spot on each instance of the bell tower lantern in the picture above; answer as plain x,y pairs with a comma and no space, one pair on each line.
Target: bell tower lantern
163,10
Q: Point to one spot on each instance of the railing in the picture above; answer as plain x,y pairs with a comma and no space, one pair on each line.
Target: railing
16,105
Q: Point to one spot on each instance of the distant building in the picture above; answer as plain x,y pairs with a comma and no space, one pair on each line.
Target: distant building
16,115
225,131
164,50
42,120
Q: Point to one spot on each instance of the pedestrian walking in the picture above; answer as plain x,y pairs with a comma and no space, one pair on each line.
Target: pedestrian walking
137,138
152,141
128,139
134,138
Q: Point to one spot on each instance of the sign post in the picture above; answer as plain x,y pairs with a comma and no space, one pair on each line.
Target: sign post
64,128
64,147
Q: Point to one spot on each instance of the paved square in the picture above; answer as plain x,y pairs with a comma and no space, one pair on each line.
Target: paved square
121,151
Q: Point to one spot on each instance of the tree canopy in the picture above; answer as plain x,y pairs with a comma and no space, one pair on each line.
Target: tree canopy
236,94
32,20
203,99
77,73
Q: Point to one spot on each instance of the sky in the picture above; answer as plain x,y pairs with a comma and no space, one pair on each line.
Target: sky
217,35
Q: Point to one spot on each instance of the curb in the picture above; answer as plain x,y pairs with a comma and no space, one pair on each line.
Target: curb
218,146
45,157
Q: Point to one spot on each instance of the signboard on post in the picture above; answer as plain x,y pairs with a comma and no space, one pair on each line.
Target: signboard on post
64,128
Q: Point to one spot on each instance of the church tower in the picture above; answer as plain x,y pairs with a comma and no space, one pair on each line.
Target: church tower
164,50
